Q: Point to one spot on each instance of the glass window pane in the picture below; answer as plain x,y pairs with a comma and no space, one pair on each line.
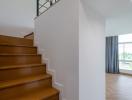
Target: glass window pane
125,65
125,51
120,51
125,38
128,52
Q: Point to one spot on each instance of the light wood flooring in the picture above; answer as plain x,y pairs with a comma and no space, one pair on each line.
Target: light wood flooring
118,87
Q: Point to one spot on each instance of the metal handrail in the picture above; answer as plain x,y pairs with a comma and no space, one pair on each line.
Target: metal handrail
43,6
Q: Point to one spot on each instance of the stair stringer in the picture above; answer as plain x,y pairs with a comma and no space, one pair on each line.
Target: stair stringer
52,71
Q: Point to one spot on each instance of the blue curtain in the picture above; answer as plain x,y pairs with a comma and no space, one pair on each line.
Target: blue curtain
112,62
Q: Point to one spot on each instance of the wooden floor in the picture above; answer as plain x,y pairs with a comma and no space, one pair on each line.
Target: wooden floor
118,87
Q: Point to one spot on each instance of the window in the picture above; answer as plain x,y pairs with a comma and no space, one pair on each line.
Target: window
125,52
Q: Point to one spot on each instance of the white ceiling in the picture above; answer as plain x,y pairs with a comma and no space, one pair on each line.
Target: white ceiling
111,8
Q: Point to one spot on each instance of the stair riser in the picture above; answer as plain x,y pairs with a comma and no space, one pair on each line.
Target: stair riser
19,60
21,73
6,40
17,50
24,89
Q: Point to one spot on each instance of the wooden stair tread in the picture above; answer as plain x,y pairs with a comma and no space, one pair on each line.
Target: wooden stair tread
11,83
22,74
18,46
19,54
14,37
9,40
20,66
42,94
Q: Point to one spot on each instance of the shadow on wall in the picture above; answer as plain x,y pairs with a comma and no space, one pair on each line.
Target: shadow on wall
17,31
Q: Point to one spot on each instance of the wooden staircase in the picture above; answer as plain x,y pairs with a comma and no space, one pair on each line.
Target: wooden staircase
22,74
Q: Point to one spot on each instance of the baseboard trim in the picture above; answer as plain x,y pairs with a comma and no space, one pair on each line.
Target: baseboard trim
56,84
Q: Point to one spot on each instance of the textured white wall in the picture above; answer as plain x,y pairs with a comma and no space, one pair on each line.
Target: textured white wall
57,39
17,16
91,54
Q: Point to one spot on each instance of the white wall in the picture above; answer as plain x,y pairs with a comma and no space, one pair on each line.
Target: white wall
91,54
119,25
74,49
17,16
57,39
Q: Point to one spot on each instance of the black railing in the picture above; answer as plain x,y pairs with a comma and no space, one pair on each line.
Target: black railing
44,5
